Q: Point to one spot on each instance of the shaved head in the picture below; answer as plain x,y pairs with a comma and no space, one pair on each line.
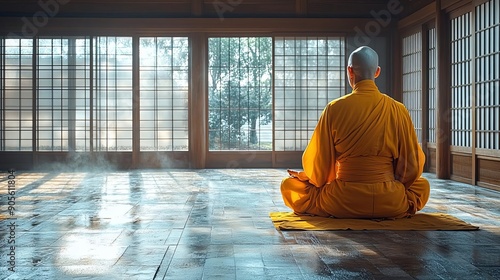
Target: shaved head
364,63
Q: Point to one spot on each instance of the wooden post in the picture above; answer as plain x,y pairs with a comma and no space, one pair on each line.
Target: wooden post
425,93
443,117
472,74
397,63
198,102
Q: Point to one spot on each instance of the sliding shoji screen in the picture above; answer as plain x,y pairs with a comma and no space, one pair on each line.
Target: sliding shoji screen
488,75
112,93
412,79
461,84
432,77
309,73
240,93
16,95
164,79
63,94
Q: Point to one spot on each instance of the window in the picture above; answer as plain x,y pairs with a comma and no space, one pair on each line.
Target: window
309,73
164,79
112,94
461,81
412,79
72,109
488,75
432,77
75,93
16,95
240,95
63,94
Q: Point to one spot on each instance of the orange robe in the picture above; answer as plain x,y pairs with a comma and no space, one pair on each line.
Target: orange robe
363,161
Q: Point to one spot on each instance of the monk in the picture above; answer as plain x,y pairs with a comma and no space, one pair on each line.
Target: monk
363,159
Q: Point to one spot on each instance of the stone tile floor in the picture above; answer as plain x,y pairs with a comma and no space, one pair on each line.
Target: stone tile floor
214,224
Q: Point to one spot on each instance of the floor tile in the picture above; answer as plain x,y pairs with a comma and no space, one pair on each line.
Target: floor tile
214,224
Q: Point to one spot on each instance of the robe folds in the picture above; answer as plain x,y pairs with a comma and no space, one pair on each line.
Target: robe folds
362,161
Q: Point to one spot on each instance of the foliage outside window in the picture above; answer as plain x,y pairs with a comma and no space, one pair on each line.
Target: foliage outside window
240,93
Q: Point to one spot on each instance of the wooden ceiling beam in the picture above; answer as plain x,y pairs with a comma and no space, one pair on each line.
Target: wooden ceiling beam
193,8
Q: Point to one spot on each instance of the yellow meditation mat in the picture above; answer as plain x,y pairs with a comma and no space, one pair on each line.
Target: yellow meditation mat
420,221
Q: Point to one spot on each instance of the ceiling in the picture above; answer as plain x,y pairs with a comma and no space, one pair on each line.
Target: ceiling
209,8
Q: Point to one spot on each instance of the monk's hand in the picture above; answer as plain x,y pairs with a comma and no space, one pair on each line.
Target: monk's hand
301,175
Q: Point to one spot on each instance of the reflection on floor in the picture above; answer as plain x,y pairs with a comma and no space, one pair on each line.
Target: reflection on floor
214,224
